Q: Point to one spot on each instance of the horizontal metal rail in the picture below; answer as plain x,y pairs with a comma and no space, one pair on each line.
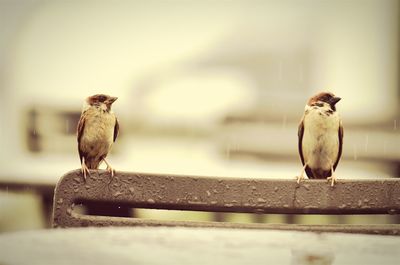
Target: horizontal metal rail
44,189
219,194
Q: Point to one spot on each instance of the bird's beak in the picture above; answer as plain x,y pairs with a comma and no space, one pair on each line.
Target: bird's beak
334,100
111,100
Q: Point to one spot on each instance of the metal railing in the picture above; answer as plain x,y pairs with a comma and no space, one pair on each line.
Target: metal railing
220,194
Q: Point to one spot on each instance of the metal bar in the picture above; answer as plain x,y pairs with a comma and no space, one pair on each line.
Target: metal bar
219,194
78,220
41,188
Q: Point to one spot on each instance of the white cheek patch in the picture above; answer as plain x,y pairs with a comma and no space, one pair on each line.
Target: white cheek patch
103,106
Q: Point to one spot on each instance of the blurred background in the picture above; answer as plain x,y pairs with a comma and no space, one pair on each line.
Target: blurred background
209,88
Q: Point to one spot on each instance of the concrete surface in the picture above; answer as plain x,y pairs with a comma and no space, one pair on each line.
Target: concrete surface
177,245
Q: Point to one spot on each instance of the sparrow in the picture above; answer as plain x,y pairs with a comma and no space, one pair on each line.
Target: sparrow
320,138
97,130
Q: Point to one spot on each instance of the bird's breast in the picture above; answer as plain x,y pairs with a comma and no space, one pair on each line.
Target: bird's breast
320,142
99,129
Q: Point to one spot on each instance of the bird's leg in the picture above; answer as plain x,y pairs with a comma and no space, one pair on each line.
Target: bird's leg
332,178
109,168
299,178
85,169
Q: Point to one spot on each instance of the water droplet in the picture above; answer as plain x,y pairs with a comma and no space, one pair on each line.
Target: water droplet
132,190
366,143
228,151
284,122
150,201
118,193
280,70
276,189
385,147
301,73
355,152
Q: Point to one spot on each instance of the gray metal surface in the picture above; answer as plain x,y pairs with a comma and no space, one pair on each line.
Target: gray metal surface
218,194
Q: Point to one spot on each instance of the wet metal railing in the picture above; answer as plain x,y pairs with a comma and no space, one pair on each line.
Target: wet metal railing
219,194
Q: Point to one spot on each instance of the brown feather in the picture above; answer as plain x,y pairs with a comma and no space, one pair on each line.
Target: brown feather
116,129
81,127
340,135
300,133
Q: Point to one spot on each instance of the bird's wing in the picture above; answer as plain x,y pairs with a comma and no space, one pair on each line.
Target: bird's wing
340,135
79,132
116,129
300,135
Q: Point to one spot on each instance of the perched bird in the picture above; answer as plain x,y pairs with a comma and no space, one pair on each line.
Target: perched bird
320,138
97,130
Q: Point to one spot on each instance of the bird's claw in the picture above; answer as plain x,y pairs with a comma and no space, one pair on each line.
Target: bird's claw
299,178
85,171
333,179
111,170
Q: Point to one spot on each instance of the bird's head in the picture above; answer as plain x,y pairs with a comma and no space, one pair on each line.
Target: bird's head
101,100
324,99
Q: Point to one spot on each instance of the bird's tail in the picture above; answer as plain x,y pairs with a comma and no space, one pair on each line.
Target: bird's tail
318,173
